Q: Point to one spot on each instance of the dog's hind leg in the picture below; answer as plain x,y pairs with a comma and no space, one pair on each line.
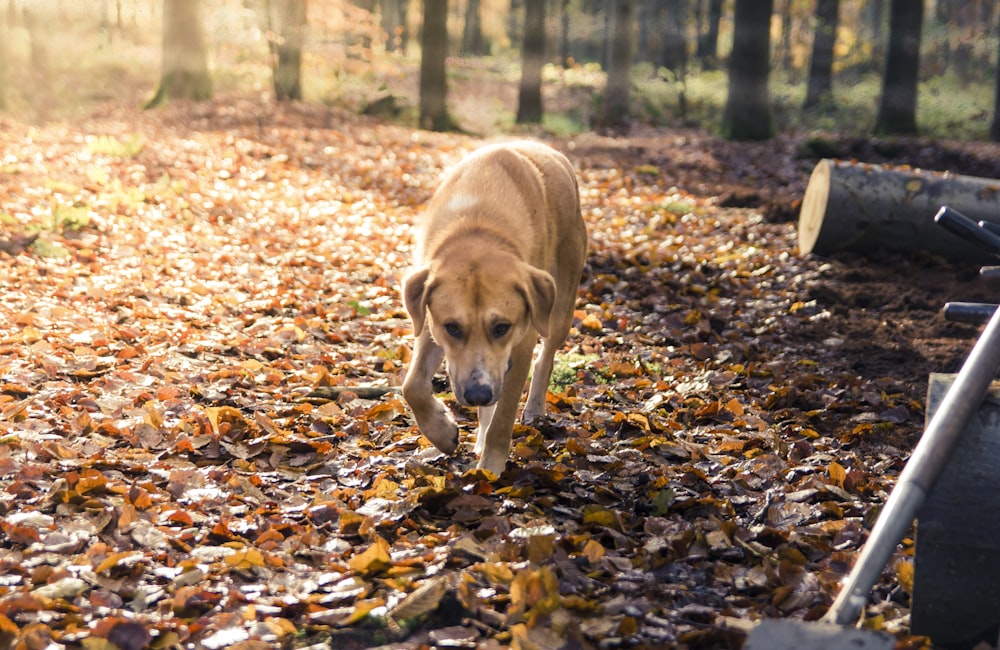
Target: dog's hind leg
534,407
431,415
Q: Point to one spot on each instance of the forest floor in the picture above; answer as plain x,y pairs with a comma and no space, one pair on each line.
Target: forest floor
179,290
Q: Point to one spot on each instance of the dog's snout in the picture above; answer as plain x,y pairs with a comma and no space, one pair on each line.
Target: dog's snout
478,394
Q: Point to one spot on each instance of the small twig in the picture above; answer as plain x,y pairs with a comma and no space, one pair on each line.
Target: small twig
333,393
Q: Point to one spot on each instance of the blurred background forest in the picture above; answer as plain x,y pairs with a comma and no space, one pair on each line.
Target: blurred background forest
66,58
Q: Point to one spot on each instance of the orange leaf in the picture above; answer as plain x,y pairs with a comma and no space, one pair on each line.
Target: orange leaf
373,560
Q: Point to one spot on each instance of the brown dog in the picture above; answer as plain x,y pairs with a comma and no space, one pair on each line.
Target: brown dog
499,256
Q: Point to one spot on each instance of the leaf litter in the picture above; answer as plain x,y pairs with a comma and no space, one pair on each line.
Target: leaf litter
203,441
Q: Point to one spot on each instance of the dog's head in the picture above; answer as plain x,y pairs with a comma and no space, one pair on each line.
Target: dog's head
478,312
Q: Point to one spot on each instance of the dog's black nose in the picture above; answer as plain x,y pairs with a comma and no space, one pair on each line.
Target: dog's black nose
478,394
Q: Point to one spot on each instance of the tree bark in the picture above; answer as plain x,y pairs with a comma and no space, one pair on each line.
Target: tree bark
184,73
529,99
433,82
287,46
394,25
869,209
995,124
820,87
748,111
473,43
617,96
708,40
674,52
897,110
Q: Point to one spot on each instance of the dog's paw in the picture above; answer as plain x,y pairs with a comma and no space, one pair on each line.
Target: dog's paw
495,464
441,430
532,416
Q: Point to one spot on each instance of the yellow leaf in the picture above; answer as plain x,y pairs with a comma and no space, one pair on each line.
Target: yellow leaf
373,560
534,593
837,474
904,573
595,514
497,572
114,560
245,558
361,609
593,550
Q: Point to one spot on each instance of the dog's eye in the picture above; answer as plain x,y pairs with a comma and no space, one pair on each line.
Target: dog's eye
500,330
454,330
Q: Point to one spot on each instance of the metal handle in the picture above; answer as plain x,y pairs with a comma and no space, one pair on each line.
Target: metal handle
957,223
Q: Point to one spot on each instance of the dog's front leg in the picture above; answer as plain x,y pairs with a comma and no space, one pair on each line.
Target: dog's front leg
431,415
495,443
485,417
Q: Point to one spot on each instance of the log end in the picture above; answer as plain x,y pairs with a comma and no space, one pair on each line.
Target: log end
814,204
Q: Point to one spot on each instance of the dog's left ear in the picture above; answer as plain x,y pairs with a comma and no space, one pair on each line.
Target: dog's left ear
415,297
541,298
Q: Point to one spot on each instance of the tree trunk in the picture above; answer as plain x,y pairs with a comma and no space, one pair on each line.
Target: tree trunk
820,86
897,110
184,73
674,52
287,46
394,24
995,125
564,55
529,99
433,82
708,41
872,31
617,96
869,208
473,43
748,111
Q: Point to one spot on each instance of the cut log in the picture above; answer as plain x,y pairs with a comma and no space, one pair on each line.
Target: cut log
872,208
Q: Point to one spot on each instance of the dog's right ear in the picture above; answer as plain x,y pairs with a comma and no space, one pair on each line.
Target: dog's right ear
415,297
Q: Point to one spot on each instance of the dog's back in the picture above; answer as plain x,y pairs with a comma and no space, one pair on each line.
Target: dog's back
494,188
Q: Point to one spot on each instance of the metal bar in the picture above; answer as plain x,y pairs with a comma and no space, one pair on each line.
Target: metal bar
957,223
968,312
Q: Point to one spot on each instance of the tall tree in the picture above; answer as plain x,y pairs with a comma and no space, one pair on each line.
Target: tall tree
820,85
618,90
675,44
184,71
473,42
564,34
995,125
897,109
529,99
748,111
872,16
288,24
394,24
708,37
433,82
